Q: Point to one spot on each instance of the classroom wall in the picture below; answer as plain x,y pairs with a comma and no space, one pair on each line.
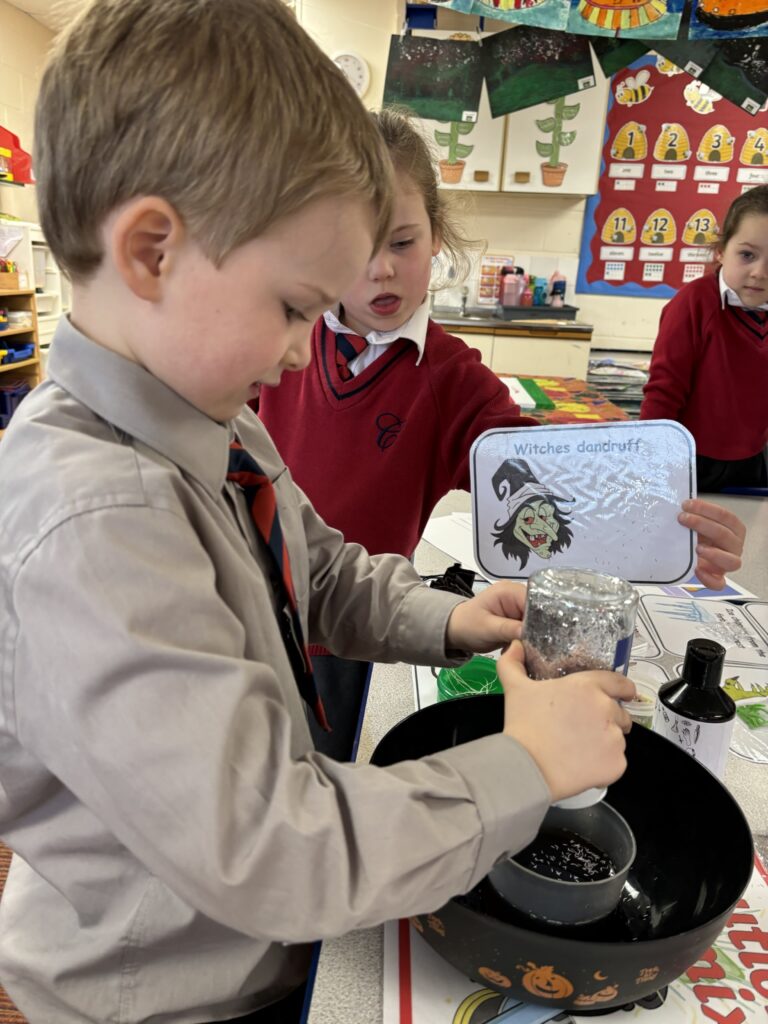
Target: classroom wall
24,45
551,225
532,224
536,224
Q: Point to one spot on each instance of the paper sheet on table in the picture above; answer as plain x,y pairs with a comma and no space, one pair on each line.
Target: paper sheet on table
453,535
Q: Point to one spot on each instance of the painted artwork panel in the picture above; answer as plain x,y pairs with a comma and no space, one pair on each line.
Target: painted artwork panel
632,19
436,78
479,165
555,146
542,13
604,497
687,55
615,54
524,66
712,19
739,72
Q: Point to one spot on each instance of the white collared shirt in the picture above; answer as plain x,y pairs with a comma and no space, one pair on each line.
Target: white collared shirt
729,296
414,329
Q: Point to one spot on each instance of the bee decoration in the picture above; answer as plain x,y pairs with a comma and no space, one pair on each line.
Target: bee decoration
716,146
619,228
701,228
630,142
754,152
659,228
634,89
700,97
666,67
672,144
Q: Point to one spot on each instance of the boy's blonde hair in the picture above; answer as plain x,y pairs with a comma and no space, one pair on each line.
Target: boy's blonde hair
411,154
225,108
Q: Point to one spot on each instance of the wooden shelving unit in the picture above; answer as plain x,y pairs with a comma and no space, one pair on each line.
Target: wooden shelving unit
29,369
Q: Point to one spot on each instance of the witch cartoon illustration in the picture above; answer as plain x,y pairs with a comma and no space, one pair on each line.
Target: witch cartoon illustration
535,521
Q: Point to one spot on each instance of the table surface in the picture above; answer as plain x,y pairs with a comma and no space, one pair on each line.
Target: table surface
348,987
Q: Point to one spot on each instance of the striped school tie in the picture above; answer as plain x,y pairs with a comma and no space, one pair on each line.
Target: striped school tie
245,471
348,347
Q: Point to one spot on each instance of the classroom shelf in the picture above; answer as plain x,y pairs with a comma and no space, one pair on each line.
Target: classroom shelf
16,330
19,366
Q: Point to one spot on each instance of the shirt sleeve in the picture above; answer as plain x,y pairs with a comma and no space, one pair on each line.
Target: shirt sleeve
371,607
131,685
470,399
673,362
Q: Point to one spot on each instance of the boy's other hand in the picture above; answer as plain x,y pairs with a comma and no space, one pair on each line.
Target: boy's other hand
720,540
572,727
489,620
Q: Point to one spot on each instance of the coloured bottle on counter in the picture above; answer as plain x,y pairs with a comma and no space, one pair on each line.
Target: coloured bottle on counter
509,268
694,711
514,286
557,289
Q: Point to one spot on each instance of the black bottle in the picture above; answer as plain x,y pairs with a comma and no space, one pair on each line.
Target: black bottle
694,711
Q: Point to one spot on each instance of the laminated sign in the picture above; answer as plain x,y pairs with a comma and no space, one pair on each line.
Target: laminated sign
604,497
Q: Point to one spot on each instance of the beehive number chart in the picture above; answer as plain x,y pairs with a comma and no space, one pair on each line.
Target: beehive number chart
675,156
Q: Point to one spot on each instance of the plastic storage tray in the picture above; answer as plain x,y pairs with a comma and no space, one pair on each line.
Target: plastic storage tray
535,312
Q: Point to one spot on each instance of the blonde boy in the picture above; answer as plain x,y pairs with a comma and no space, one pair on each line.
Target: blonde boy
211,184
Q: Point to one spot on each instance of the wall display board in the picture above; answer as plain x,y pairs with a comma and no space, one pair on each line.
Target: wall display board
675,155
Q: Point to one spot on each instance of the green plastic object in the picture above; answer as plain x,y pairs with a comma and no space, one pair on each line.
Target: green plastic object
542,400
478,675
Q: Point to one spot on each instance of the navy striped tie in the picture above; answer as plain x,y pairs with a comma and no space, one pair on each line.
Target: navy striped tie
348,347
245,471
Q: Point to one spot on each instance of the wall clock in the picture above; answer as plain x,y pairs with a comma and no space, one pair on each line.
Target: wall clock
355,68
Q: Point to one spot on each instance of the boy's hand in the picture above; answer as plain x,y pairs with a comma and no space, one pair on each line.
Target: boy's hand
491,619
572,727
720,540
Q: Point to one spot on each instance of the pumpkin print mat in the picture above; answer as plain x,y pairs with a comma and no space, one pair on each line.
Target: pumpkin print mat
422,988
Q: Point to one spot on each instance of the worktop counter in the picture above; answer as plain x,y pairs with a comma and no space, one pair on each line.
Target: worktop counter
348,987
539,347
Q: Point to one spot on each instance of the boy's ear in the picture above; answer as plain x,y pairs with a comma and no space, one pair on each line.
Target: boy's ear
145,235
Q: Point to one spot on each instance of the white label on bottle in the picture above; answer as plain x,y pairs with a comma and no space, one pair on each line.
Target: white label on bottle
708,742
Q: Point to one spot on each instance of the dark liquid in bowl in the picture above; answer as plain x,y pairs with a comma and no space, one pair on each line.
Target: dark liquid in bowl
565,856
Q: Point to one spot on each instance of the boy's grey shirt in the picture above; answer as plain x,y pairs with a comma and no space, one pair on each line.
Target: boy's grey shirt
178,840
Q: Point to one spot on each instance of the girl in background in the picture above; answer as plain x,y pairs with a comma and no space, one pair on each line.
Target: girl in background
378,428
709,369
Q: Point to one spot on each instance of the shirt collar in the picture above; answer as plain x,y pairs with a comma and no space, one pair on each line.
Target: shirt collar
126,395
729,296
414,329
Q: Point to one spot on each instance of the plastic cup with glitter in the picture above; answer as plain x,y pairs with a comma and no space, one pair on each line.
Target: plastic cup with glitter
574,621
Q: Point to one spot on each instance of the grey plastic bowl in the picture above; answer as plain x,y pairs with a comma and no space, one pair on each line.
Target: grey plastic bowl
572,902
